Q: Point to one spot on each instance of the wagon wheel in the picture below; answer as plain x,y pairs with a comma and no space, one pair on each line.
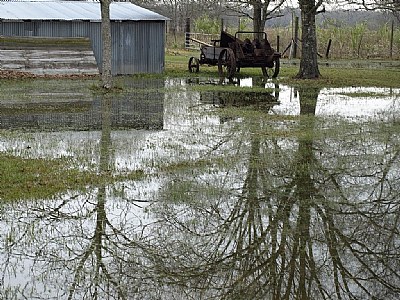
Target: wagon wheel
273,71
277,65
193,65
227,63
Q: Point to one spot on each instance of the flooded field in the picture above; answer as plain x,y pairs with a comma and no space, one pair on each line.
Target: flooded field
250,190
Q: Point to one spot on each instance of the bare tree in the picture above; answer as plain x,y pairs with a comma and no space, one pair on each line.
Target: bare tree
258,10
388,5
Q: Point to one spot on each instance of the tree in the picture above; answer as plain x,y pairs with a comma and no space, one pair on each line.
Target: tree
179,10
106,75
309,57
388,5
263,10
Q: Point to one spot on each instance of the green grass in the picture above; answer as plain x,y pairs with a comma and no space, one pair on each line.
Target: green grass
36,178
13,42
22,178
341,74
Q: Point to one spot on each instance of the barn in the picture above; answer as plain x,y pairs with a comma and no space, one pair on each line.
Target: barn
138,34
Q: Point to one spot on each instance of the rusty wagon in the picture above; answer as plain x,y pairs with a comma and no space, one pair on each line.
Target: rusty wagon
231,54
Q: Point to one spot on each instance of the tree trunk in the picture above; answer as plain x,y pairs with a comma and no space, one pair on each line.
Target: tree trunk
259,17
106,76
309,58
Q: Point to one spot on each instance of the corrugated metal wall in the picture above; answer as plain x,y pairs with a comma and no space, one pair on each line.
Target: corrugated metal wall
138,46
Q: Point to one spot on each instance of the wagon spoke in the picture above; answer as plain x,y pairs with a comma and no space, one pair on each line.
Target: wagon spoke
276,68
227,63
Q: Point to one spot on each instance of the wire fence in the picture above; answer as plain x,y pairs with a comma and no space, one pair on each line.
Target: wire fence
336,42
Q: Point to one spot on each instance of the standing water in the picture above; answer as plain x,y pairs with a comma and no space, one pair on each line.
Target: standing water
245,193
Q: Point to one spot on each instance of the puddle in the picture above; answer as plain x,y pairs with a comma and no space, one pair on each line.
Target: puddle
248,195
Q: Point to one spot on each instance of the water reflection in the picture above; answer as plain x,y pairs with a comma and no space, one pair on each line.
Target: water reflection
260,101
139,106
300,227
259,207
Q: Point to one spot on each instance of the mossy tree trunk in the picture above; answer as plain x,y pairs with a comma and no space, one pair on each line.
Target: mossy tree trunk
258,21
309,55
106,75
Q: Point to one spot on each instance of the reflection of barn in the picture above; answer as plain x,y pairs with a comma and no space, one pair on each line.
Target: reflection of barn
141,108
138,34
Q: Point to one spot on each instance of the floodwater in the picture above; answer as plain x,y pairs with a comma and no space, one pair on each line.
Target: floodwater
291,194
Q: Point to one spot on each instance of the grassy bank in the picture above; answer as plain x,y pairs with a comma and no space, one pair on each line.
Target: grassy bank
334,73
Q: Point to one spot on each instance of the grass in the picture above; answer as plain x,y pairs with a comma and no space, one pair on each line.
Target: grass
22,178
340,75
12,42
346,77
37,178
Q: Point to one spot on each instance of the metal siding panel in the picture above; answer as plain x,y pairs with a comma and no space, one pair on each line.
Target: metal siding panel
152,46
128,48
95,37
140,47
45,28
141,53
125,43
116,53
156,47
65,29
80,29
12,28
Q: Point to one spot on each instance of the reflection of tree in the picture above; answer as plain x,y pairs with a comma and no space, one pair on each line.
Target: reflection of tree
97,250
75,244
313,227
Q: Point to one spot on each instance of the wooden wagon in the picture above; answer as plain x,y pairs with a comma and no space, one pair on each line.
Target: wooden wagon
231,54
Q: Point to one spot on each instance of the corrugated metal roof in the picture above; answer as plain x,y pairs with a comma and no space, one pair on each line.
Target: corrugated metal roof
73,10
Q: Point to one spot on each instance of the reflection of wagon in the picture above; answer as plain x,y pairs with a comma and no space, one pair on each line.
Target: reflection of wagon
232,54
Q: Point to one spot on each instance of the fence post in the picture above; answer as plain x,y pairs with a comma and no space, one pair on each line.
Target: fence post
296,35
187,33
328,48
391,40
222,24
277,43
